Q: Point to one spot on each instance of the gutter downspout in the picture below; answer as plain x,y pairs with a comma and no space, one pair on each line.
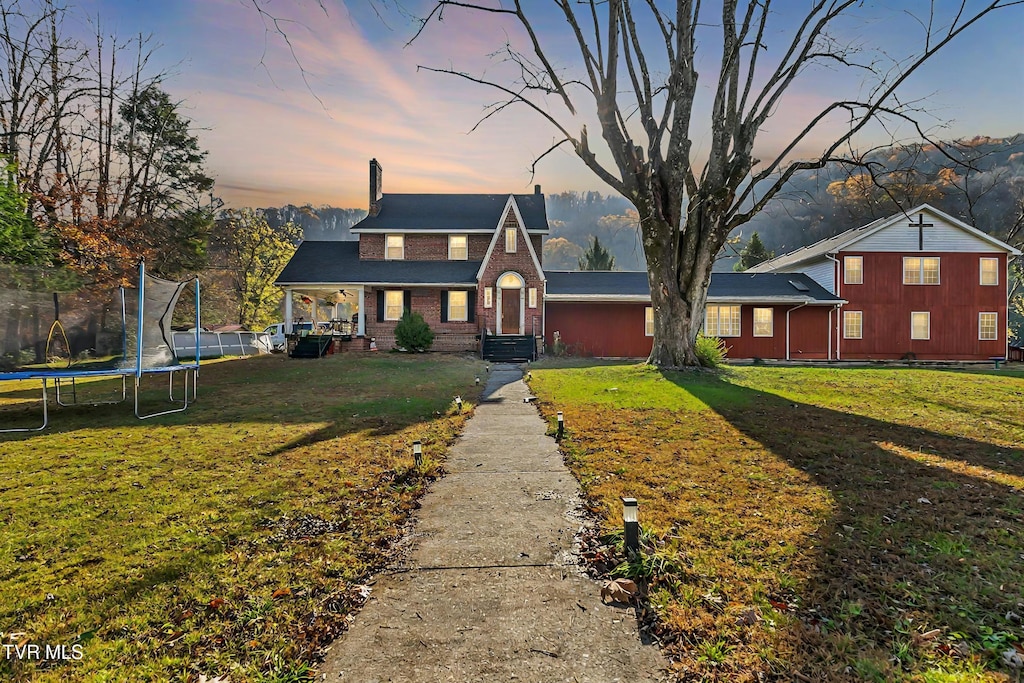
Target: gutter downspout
787,326
839,317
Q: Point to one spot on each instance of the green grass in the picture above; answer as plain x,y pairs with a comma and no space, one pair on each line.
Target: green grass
832,524
229,540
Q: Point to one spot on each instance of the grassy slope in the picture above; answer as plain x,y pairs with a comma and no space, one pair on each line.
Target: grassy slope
813,523
228,540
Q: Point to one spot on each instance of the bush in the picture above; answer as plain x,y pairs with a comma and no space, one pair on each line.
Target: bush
710,351
412,333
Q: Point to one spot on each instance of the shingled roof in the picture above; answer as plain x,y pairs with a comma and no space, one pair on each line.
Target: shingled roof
452,213
321,262
725,287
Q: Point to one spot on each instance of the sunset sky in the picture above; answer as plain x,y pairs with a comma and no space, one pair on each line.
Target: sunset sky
274,140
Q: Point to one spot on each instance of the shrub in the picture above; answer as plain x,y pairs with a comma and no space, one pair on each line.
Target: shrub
412,333
710,351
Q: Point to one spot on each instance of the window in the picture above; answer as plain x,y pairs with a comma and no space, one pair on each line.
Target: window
853,324
532,297
920,271
764,322
853,270
722,321
458,247
649,321
988,329
921,325
989,271
394,247
510,240
488,297
394,304
458,306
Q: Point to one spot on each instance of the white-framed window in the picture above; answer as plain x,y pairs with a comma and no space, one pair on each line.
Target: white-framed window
458,306
511,241
853,324
853,270
458,247
488,297
919,270
394,304
988,326
394,247
989,271
531,297
920,325
722,320
764,322
649,321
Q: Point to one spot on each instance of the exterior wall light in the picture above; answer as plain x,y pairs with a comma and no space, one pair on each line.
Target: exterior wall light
631,524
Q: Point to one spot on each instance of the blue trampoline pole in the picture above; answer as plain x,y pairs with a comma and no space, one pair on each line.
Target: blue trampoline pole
139,330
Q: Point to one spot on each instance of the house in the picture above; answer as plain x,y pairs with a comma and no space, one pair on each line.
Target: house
921,285
471,265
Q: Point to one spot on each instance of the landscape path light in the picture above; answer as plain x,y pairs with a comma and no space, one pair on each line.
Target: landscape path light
417,453
631,524
458,403
561,425
477,380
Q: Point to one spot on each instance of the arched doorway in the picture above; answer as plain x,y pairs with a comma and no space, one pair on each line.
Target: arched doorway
511,303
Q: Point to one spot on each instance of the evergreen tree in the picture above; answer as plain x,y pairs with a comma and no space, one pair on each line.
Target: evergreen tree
596,257
753,253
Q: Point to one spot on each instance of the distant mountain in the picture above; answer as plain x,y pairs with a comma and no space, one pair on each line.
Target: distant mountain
317,223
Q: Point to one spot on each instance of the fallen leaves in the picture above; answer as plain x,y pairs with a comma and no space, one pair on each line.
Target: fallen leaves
619,590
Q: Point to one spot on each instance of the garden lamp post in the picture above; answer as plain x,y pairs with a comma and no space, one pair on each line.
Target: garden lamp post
631,524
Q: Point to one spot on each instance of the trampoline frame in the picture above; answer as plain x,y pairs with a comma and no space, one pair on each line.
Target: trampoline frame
137,371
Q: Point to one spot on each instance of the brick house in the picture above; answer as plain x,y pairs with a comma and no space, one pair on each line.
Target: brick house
471,265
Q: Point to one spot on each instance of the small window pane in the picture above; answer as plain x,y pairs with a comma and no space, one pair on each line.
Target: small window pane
930,271
854,270
510,240
510,281
990,271
458,306
920,325
988,326
458,247
649,321
394,302
395,247
764,319
853,324
488,297
532,296
911,271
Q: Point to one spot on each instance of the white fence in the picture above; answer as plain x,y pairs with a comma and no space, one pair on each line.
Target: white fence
214,344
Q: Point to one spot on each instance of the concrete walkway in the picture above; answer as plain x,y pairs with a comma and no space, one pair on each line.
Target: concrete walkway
490,590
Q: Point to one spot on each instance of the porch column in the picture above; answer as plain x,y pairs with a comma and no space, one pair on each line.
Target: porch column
361,318
288,310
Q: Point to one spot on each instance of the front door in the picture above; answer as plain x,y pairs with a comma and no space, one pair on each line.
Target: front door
510,311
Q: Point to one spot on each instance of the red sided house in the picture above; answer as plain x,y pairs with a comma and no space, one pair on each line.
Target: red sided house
921,285
470,264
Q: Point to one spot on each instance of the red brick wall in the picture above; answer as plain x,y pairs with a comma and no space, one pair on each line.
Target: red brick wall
422,247
502,262
449,336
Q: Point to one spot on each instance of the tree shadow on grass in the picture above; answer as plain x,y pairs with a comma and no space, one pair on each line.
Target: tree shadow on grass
923,535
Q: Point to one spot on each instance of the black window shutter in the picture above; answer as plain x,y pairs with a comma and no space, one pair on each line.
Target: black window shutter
380,305
408,301
470,306
444,306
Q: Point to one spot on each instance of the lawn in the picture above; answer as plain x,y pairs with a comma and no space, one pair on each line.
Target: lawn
231,540
810,524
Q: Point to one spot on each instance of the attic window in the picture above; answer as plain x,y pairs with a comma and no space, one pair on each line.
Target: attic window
799,286
510,240
394,247
458,249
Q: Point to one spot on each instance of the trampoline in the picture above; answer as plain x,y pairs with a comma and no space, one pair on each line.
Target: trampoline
53,330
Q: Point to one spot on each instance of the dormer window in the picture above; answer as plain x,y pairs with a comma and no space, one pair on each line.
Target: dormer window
458,247
394,247
510,240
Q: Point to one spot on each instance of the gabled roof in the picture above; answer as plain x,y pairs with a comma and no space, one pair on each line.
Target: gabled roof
317,262
845,240
451,213
593,285
512,206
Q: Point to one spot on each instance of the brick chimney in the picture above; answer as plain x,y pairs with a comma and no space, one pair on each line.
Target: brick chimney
376,187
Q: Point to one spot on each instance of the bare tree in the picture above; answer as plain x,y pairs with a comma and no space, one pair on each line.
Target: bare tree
642,93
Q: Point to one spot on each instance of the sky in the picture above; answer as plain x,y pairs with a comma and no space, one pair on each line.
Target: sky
299,125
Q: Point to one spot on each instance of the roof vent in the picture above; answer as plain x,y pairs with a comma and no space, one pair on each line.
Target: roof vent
799,286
